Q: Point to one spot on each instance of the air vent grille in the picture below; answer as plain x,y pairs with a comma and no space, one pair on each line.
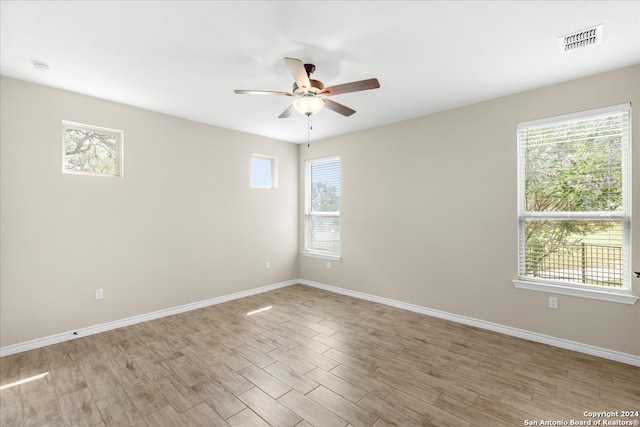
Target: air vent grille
580,39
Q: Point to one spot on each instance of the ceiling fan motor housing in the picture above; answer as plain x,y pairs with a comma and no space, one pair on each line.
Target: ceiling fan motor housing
309,68
316,87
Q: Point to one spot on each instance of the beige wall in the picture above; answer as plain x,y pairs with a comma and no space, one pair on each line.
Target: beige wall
429,214
183,224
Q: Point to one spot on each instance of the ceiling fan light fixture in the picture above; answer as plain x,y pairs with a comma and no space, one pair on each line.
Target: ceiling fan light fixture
308,105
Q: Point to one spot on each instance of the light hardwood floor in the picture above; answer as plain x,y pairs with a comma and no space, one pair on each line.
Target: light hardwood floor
315,359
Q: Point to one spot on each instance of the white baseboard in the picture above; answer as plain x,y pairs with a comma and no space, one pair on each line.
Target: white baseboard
67,336
495,327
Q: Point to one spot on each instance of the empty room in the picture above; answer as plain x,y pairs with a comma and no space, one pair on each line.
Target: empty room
319,213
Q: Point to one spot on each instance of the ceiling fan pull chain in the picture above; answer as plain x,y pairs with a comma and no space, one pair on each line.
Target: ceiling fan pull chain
308,128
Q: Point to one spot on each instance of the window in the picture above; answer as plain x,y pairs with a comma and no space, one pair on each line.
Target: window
322,208
574,204
263,171
91,150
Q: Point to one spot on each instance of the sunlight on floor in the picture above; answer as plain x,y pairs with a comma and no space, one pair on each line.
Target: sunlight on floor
259,310
26,380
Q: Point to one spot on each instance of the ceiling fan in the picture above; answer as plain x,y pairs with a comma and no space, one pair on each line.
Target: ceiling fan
311,95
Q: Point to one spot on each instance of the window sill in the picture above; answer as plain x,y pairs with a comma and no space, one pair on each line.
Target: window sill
622,297
322,256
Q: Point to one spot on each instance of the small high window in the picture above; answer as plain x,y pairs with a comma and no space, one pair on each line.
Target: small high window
264,171
91,150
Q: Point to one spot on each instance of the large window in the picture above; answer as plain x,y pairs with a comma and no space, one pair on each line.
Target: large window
91,150
574,203
322,208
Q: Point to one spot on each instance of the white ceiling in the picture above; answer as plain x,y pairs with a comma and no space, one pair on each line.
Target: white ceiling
185,58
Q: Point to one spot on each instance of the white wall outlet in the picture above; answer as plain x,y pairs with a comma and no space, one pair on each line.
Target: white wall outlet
267,266
328,265
99,293
553,302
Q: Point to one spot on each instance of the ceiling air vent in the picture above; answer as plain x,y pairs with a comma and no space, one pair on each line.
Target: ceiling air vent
582,38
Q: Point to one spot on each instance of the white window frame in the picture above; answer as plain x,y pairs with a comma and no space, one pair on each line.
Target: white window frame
618,295
309,214
119,160
274,171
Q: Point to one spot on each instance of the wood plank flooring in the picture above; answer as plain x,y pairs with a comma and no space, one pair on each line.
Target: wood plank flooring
315,359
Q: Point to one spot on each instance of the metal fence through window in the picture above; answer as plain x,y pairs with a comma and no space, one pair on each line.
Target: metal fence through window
582,263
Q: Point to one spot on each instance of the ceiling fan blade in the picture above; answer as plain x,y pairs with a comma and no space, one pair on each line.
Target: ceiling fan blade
352,87
338,108
261,92
299,73
286,113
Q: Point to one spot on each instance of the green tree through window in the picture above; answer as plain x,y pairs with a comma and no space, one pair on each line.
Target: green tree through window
322,207
91,151
325,198
573,215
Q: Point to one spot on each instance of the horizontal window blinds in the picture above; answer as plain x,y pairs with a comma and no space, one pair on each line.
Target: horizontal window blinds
322,206
574,200
324,185
578,165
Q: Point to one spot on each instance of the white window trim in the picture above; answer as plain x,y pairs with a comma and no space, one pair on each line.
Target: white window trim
274,171
321,256
119,151
616,295
577,291
306,252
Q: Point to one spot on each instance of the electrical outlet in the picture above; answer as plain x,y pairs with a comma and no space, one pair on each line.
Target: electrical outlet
99,293
553,302
267,265
328,265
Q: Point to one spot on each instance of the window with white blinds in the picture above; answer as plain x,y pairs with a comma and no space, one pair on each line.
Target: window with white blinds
574,200
322,207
